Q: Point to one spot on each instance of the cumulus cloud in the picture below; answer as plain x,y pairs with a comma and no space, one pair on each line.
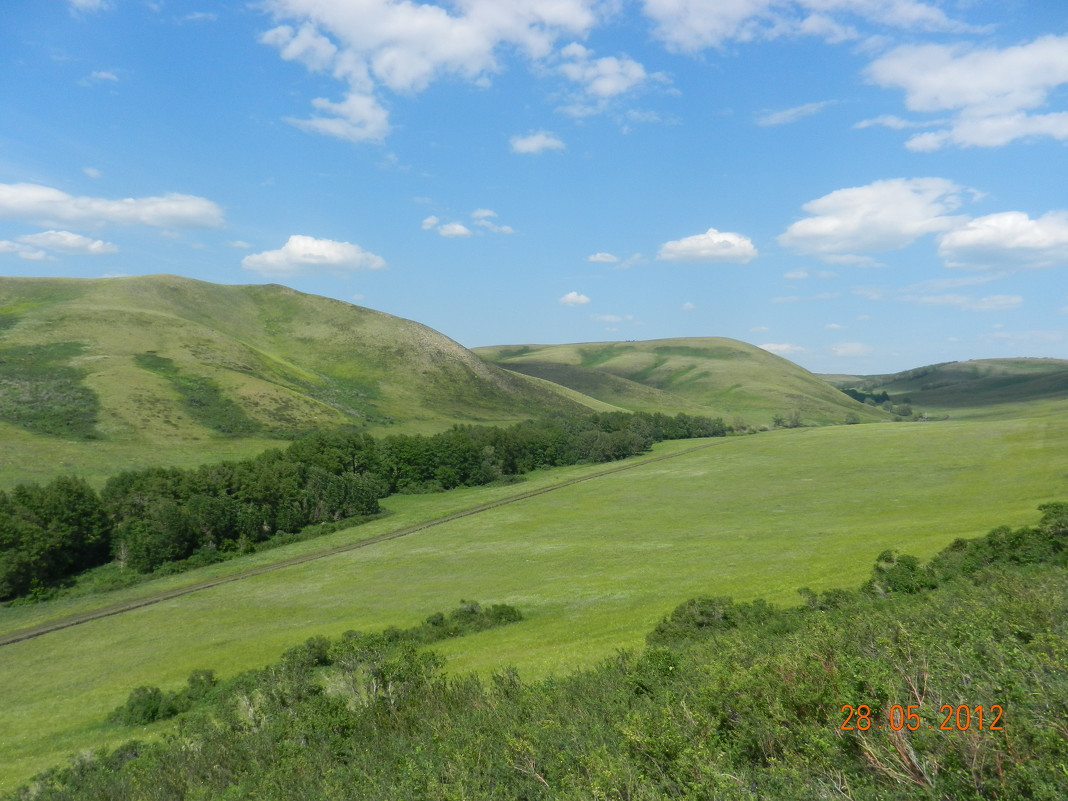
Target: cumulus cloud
403,47
305,255
687,306
537,142
692,25
22,251
483,220
711,247
781,349
881,216
1009,239
574,299
600,80
67,242
430,223
794,114
601,77
993,92
454,229
47,206
603,258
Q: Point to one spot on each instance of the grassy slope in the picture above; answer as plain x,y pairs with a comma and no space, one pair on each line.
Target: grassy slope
285,360
973,389
592,566
714,375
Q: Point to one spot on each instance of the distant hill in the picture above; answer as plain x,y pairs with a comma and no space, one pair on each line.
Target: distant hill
973,387
708,375
164,359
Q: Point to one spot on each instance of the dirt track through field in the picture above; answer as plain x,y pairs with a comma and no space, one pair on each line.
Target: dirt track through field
126,606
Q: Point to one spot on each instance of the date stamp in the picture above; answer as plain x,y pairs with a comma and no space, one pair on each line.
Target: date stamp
897,717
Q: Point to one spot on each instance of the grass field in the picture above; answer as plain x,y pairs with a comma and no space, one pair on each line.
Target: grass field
593,565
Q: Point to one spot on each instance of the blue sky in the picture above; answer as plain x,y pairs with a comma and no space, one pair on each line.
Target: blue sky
861,186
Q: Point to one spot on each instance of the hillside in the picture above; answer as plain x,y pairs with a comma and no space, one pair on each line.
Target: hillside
707,375
974,388
164,359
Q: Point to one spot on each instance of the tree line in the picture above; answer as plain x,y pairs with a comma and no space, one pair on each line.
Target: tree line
154,518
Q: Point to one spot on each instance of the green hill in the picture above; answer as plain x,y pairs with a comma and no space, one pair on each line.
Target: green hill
166,360
707,375
983,387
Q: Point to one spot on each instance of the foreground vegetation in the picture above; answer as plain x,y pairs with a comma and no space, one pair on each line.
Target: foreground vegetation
846,696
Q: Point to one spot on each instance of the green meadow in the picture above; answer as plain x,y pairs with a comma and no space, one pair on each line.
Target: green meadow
592,565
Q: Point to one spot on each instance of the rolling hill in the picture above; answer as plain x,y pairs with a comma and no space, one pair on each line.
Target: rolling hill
708,375
164,359
979,388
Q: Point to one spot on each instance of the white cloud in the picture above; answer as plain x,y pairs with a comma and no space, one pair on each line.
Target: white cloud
603,258
884,215
793,114
612,318
239,243
537,142
305,255
781,349
47,206
992,92
23,251
403,47
600,79
494,228
711,247
967,302
1006,240
895,123
691,25
796,275
574,299
92,172
430,222
851,349
482,219
454,229
357,118
834,327
687,306
67,242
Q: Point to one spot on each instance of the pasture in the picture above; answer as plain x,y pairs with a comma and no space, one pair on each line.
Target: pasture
591,565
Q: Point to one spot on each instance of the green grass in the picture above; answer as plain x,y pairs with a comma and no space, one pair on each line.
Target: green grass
592,566
173,361
703,375
27,457
202,398
41,392
983,388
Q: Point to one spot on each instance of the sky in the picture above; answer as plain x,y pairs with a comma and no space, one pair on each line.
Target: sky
860,186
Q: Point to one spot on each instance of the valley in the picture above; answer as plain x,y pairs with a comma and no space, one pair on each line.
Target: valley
594,555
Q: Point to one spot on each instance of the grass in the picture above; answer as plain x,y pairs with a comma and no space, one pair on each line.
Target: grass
592,566
709,375
27,457
173,361
41,392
